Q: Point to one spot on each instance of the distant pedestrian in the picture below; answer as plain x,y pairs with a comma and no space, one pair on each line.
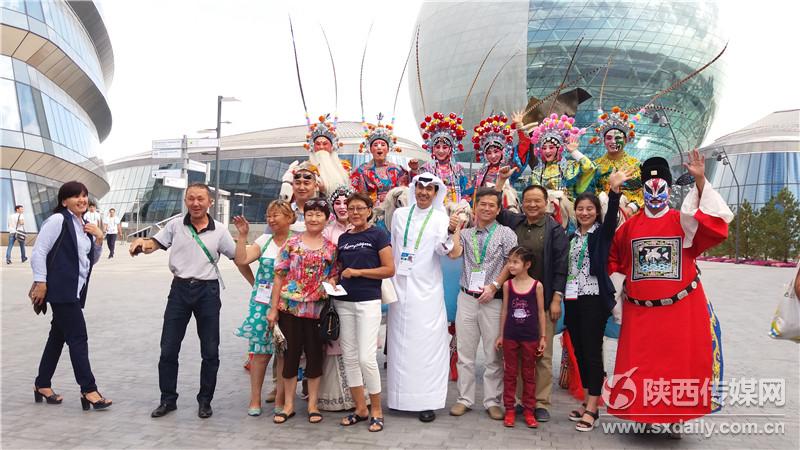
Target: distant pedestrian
93,216
16,232
113,228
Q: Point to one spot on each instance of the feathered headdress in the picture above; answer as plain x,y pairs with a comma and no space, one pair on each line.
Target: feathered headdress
493,131
617,119
440,127
324,128
378,131
557,130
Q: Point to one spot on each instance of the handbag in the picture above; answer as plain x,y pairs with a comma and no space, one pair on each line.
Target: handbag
20,235
786,321
329,322
388,294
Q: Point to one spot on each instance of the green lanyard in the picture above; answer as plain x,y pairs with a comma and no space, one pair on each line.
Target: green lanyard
408,224
264,248
479,258
582,253
208,253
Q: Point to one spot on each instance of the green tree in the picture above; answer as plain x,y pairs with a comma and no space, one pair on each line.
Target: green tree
745,218
777,235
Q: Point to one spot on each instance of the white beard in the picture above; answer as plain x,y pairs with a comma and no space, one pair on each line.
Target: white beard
330,169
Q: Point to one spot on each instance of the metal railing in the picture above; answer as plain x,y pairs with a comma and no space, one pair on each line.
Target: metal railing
145,231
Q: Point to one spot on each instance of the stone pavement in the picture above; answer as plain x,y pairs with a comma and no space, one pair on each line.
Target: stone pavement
124,311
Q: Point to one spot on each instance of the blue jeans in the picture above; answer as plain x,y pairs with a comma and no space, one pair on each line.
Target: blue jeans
11,238
186,297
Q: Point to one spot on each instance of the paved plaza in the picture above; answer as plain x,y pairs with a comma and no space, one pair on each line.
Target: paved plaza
124,311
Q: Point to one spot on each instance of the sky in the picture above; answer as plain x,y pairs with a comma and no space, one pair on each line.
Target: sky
174,57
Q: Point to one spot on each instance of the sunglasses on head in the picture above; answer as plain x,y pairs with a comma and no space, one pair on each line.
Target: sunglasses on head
304,175
317,203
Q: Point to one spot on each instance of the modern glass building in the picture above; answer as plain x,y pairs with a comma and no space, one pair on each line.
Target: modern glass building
55,69
651,45
763,157
250,163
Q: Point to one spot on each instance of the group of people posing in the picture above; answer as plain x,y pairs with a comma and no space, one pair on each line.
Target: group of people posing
586,233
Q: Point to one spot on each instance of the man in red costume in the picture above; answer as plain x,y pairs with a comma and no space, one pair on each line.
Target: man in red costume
669,355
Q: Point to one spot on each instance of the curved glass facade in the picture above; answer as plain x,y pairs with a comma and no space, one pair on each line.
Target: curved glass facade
654,44
51,78
760,176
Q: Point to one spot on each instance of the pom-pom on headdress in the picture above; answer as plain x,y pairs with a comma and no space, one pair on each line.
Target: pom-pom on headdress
493,131
438,126
557,130
324,128
378,131
341,191
617,119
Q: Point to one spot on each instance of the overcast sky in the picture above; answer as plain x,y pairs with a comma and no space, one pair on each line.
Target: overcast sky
173,57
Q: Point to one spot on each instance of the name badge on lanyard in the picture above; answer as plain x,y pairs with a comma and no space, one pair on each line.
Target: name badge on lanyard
263,285
407,255
571,292
263,293
477,277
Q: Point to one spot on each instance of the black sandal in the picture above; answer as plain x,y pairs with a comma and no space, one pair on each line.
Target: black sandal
101,404
312,415
583,425
352,419
52,399
575,415
375,421
283,416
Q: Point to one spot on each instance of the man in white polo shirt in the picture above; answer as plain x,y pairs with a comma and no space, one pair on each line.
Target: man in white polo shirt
196,240
113,228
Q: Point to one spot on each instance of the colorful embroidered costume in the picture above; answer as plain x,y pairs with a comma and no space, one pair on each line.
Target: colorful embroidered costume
618,120
378,181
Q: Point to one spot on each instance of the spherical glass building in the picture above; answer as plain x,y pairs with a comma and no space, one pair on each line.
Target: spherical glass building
651,45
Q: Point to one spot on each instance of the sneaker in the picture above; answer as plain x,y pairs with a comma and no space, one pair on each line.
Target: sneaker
24,259
458,409
541,414
530,419
510,418
495,412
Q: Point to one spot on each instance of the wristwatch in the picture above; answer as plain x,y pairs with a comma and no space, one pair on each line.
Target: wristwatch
496,284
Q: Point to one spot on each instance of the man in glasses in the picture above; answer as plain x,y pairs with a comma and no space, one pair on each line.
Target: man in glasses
418,342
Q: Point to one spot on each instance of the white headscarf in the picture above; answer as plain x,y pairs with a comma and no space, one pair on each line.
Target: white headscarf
426,179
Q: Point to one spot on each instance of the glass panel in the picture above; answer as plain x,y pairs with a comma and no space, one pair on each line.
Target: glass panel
6,202
27,109
9,113
23,197
6,69
35,9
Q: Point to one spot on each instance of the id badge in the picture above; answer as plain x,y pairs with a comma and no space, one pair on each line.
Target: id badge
477,281
264,293
406,263
571,292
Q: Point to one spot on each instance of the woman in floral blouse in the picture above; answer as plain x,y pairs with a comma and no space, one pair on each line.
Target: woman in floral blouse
297,300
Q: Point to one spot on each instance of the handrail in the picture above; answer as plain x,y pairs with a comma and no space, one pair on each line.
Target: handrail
158,225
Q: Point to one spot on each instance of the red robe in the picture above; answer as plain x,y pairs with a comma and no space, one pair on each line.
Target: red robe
667,348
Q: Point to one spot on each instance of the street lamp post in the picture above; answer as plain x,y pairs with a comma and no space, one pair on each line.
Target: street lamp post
663,121
721,155
244,196
220,99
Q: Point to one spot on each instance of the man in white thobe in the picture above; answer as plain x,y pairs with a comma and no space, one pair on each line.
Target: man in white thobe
418,352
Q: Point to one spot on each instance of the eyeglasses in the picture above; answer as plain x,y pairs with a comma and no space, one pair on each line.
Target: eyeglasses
304,175
358,209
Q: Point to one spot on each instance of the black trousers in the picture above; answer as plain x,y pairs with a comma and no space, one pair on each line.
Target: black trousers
67,327
585,319
186,298
111,240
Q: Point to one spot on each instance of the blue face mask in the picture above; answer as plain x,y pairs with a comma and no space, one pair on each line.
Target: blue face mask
656,194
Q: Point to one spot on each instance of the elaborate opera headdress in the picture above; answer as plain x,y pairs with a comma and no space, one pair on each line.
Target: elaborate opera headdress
448,128
341,191
556,130
376,132
493,131
324,128
617,119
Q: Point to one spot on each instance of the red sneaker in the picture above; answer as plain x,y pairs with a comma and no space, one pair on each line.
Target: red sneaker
511,417
530,419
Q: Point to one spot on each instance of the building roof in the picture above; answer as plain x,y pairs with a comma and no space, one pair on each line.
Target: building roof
777,132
